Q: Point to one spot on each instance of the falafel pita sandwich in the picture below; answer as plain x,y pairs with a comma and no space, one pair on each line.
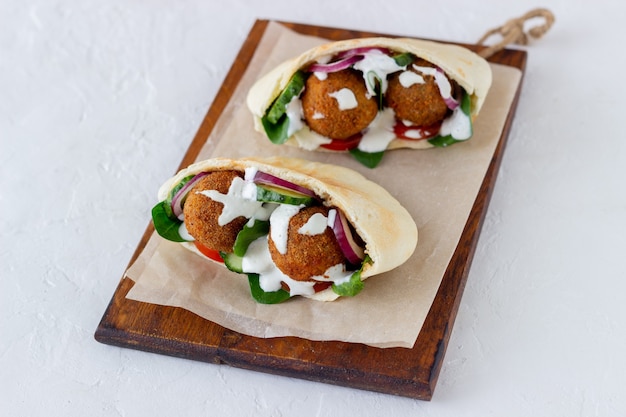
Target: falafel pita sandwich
365,96
292,226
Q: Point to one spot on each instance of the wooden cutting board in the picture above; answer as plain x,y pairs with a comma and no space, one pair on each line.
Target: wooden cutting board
398,371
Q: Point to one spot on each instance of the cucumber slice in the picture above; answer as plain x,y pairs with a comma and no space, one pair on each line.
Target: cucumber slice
270,194
293,89
232,262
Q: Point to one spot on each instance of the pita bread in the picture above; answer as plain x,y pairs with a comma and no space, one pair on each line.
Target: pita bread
465,67
386,227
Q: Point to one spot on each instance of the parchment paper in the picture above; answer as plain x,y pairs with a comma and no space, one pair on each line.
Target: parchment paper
437,186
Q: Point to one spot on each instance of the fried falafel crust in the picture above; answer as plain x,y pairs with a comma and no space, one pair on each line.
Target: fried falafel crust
202,213
321,110
307,255
420,104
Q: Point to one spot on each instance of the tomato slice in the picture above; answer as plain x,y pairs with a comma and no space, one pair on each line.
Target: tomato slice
343,144
317,287
416,132
321,286
208,252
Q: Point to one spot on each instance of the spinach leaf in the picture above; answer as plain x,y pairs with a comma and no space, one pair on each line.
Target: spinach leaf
443,141
276,132
165,226
265,297
370,160
249,234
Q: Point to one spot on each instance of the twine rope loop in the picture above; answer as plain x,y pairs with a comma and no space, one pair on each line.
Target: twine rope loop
513,31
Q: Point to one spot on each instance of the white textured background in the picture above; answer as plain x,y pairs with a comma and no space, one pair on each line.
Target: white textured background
99,101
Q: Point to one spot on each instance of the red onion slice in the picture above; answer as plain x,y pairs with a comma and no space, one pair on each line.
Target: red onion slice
353,252
177,200
451,103
269,179
346,59
335,66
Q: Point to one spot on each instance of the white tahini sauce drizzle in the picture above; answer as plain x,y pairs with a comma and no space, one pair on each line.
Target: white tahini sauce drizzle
425,70
264,212
378,64
249,192
295,115
318,116
250,173
408,78
316,225
332,214
346,100
445,88
337,274
321,75
413,134
379,133
310,140
458,125
235,204
258,260
182,231
279,225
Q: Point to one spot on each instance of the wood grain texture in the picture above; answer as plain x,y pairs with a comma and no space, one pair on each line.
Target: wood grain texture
397,371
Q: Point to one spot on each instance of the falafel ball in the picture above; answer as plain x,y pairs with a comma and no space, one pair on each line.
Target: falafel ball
420,104
320,104
202,213
307,255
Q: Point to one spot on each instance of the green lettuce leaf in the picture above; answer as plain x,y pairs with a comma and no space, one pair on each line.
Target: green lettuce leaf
404,59
355,285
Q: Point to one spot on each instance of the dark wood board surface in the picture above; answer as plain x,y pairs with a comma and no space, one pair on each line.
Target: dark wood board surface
397,371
